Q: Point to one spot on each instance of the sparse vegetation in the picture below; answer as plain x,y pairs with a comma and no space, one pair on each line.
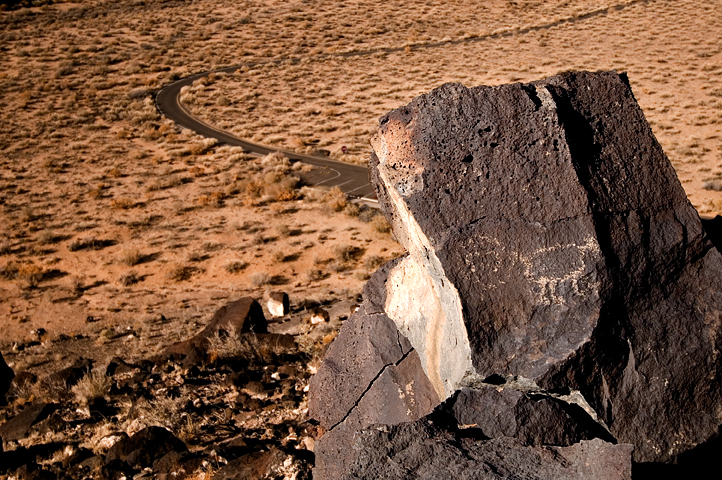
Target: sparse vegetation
259,279
179,272
92,386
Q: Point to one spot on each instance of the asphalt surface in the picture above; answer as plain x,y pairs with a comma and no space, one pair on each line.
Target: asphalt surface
353,180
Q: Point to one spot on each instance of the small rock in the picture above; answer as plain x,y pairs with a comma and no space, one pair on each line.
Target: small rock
319,315
71,375
17,427
278,304
273,463
143,448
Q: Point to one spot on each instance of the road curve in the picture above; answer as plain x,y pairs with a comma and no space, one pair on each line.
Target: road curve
353,180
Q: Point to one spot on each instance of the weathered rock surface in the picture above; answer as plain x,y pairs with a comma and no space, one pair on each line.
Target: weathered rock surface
243,318
278,304
550,239
371,374
424,450
145,447
532,418
18,427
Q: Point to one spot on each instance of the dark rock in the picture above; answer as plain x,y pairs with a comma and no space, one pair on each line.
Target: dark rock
15,459
71,375
321,152
370,375
178,464
534,419
423,450
118,366
145,447
18,427
267,465
550,239
6,377
278,304
244,315
319,315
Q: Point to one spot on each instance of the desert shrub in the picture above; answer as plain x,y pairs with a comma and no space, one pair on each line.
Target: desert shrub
346,253
352,210
712,184
373,262
283,230
213,199
88,243
128,278
47,237
9,271
179,272
30,275
235,266
92,386
380,224
315,274
335,200
225,344
130,256
260,278
170,413
77,284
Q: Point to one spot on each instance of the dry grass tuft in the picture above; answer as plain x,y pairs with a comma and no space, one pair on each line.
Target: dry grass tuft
92,386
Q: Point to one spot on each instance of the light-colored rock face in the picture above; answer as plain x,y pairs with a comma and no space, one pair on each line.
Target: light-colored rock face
422,302
275,308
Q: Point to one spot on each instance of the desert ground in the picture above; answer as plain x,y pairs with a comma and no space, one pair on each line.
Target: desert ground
126,232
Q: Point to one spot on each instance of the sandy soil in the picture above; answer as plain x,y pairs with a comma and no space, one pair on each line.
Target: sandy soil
113,214
671,51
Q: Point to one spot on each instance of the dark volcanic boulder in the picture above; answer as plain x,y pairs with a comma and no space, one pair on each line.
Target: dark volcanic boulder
423,450
533,418
145,447
18,427
550,239
243,318
6,377
244,315
371,374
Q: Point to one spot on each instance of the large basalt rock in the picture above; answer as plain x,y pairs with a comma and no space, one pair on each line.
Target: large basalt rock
531,417
550,239
424,450
371,374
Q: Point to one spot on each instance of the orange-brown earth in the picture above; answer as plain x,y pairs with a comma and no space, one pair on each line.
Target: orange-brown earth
97,190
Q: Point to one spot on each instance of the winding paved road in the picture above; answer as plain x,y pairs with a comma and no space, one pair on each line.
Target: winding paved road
353,180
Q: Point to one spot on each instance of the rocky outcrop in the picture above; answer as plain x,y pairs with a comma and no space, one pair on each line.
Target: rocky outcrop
423,450
552,249
371,374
